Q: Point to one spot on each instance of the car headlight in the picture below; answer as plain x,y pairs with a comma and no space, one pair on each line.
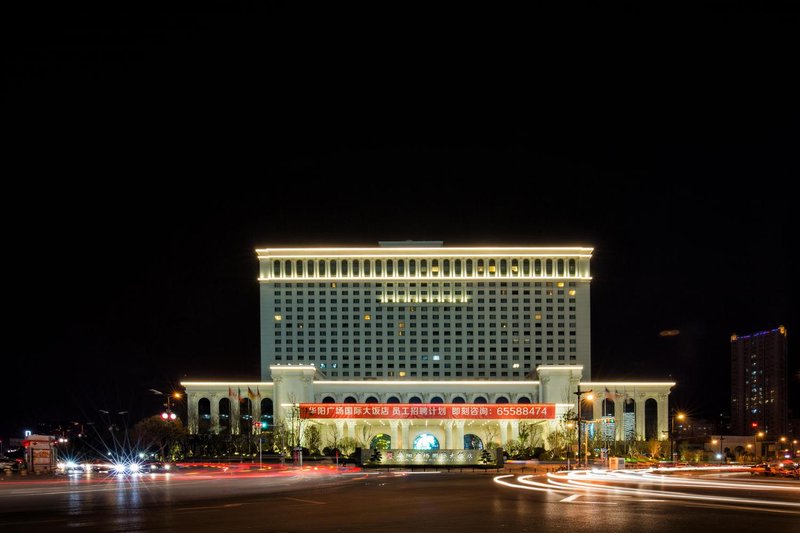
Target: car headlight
119,468
134,467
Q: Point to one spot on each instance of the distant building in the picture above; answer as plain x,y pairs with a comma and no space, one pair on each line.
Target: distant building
759,383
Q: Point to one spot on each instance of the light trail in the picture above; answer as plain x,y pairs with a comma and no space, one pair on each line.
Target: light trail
650,486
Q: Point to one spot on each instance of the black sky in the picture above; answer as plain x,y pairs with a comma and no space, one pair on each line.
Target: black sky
153,151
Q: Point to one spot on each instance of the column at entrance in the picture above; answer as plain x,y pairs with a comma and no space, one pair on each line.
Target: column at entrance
406,434
448,436
395,434
459,437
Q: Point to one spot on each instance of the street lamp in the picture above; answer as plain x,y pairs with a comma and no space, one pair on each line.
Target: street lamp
168,414
580,394
757,451
719,455
673,437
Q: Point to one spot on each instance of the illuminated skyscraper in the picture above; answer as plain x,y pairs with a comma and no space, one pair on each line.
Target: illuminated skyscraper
759,376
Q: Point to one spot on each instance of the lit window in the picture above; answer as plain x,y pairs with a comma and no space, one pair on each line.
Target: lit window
436,357
515,365
560,284
537,316
572,292
402,374
278,317
367,317
333,284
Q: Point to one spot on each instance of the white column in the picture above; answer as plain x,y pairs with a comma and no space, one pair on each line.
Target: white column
619,419
459,443
406,434
191,412
395,435
448,436
340,429
663,417
597,407
640,416
235,423
351,429
514,430
214,414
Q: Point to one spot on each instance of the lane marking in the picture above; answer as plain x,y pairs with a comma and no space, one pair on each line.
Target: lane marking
571,498
305,501
227,505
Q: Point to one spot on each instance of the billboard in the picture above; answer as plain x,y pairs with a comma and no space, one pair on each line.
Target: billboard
447,411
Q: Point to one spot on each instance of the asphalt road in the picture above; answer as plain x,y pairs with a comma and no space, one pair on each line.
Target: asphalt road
328,501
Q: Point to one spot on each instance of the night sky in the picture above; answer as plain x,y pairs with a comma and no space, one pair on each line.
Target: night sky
153,151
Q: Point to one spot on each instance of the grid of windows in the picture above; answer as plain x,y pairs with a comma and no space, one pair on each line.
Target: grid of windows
423,329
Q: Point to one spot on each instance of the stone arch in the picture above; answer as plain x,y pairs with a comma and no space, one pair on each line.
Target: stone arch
393,399
651,419
329,399
501,399
225,416
350,399
608,407
472,442
371,399
203,415
381,441
523,399
425,441
458,399
437,399
415,399
479,399
246,417
267,413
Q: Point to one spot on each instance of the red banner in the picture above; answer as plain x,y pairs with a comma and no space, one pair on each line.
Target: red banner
455,411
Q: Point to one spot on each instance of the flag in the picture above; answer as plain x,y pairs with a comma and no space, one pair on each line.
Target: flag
240,393
258,392
250,393
608,394
230,392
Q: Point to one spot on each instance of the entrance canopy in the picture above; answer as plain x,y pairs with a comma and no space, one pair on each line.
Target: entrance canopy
438,411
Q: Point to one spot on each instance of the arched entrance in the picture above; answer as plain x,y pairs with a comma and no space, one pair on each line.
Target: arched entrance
266,414
224,416
204,416
650,419
246,417
426,441
472,442
381,441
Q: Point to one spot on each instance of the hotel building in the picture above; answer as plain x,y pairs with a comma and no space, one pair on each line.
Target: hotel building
426,340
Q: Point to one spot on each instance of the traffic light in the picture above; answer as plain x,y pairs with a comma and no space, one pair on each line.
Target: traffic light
755,424
264,424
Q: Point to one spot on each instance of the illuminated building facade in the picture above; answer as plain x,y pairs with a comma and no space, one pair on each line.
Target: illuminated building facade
759,389
423,311
427,345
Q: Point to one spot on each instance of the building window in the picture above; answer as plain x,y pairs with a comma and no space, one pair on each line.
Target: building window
549,267
537,267
469,267
572,267
435,267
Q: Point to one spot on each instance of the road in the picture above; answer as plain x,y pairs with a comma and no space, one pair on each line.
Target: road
331,501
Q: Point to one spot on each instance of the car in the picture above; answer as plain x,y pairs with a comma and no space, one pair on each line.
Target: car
8,463
155,466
